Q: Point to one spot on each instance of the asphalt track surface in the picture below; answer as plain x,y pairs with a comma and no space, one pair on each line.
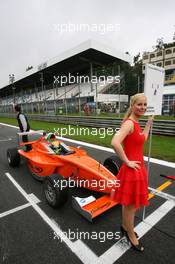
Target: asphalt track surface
27,232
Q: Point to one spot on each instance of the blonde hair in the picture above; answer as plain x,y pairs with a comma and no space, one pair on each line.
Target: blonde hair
133,100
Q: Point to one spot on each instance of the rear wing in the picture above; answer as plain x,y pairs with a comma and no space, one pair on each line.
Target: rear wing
29,133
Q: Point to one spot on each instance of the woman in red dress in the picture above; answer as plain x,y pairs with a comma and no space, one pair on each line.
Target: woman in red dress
133,190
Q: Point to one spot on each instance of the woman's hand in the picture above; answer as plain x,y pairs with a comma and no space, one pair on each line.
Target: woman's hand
134,164
150,120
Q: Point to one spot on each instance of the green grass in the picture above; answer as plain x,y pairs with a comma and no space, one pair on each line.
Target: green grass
163,147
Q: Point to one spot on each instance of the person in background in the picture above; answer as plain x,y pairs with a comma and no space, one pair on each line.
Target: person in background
24,125
128,144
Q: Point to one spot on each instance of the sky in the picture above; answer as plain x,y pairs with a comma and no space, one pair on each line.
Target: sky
34,31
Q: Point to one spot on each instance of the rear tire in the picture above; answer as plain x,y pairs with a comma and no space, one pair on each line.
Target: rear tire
13,157
55,194
113,164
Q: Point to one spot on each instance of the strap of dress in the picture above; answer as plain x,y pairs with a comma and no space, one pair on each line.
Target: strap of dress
129,119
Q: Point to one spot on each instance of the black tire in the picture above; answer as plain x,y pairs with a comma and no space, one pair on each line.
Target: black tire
55,194
113,164
13,157
36,177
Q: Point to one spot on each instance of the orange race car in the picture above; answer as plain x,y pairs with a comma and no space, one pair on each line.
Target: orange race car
62,167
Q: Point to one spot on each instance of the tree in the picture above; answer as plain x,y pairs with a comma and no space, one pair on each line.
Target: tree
136,58
132,73
160,44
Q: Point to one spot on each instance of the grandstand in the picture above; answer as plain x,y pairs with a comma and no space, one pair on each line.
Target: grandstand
40,89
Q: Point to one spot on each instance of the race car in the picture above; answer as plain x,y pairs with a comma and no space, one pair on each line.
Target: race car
59,166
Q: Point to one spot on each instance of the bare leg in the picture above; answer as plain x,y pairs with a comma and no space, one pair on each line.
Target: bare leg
128,215
125,219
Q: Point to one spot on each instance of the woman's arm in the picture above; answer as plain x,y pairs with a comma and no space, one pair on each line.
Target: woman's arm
117,140
147,126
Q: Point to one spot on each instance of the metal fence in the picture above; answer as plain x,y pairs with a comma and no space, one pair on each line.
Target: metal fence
160,127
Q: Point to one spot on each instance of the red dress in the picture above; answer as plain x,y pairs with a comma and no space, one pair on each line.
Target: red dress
133,188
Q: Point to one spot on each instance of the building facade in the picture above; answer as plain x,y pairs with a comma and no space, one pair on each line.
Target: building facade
164,57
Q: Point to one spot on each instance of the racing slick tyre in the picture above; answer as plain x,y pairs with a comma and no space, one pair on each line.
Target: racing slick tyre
36,177
13,157
56,195
113,164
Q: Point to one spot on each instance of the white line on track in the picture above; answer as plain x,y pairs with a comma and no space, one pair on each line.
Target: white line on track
162,194
82,251
14,210
8,139
110,150
21,207
117,250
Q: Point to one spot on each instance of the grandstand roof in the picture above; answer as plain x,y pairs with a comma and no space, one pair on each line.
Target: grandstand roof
75,60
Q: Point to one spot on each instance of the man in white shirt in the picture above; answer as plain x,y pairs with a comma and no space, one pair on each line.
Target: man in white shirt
23,124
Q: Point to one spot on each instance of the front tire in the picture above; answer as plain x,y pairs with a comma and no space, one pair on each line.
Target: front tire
55,194
113,164
13,157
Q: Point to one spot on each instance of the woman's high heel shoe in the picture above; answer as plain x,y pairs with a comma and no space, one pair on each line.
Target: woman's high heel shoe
138,247
123,231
